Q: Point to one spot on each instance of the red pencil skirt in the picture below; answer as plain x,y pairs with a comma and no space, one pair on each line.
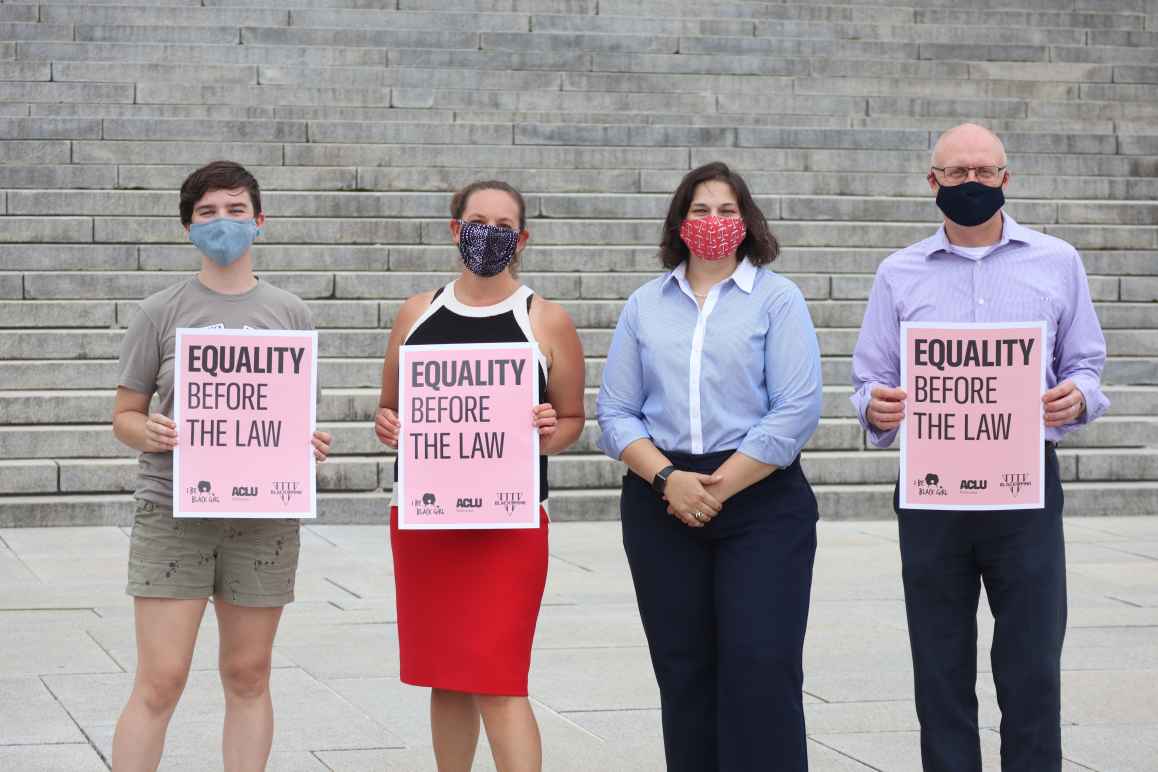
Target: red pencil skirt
468,602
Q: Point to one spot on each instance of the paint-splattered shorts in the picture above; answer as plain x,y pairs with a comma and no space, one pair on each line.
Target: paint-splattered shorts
244,562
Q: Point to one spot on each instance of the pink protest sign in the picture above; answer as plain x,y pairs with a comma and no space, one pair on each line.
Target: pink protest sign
468,453
973,435
244,404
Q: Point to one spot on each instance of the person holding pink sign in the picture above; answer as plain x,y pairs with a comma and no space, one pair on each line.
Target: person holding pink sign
983,267
468,600
711,389
248,567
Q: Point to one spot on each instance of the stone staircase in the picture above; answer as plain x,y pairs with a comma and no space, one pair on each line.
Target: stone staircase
360,116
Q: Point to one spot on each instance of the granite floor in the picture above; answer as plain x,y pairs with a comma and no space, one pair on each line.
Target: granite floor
68,655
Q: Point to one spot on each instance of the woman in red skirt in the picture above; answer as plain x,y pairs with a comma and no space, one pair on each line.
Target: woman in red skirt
468,600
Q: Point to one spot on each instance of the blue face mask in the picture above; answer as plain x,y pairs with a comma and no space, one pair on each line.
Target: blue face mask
224,240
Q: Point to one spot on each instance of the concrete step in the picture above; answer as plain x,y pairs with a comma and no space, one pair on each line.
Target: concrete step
567,472
344,404
67,343
336,230
836,502
355,285
359,116
357,438
571,207
52,175
597,314
352,372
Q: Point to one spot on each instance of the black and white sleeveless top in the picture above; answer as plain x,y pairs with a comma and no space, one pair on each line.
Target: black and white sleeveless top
447,320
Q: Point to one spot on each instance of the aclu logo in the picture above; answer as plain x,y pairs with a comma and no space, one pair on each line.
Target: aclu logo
1015,481
974,486
202,493
286,490
510,501
468,503
244,491
427,505
930,485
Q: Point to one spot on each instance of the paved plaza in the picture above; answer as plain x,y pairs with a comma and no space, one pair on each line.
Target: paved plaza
67,640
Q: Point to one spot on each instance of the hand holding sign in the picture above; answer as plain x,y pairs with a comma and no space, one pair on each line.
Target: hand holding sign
160,434
545,419
387,427
1064,404
886,409
321,443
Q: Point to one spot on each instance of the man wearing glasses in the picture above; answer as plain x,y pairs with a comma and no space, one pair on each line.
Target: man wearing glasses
981,266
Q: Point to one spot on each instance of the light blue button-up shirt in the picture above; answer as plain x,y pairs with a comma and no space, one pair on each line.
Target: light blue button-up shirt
1025,277
740,373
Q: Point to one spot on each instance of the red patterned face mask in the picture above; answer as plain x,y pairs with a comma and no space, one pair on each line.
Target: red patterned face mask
713,238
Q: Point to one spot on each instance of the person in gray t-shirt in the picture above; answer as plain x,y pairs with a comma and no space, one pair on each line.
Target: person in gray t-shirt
247,566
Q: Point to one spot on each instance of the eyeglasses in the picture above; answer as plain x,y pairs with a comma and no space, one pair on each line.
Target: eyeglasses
957,174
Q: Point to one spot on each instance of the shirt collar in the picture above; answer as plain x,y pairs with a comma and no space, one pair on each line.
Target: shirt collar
744,276
1011,232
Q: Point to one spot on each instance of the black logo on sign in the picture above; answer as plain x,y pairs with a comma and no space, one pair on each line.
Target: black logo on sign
286,490
930,485
427,506
473,503
201,493
1015,481
973,486
511,501
244,491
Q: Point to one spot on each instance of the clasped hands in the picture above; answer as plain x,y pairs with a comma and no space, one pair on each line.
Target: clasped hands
687,493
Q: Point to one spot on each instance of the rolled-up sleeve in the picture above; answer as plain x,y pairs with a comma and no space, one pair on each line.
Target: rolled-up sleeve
876,360
619,406
1080,350
793,380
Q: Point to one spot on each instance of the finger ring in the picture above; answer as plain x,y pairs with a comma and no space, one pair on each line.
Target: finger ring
699,516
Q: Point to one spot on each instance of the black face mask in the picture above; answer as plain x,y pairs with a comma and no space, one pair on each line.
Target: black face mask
970,203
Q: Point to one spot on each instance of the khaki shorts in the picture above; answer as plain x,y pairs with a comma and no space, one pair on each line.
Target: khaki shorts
248,562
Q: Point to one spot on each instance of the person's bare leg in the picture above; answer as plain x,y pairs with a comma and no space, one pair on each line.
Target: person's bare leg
454,728
246,656
166,633
512,732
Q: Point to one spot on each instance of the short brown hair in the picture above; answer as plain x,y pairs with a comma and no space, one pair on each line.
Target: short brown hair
219,175
458,203
759,245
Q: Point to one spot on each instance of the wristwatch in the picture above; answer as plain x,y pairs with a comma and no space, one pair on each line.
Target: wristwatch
660,482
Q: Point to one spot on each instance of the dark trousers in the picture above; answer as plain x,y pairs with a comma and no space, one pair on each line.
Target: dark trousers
1020,556
724,608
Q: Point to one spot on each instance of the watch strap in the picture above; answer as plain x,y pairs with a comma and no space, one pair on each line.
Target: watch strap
659,483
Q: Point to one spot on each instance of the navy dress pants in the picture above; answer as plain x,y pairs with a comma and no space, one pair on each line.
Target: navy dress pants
1020,557
724,608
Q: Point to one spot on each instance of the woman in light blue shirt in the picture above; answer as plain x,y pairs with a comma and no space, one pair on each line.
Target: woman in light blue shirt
711,388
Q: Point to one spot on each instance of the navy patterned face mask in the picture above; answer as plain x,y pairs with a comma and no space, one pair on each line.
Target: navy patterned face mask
486,249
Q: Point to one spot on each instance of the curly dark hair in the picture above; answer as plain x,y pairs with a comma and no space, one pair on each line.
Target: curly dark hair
759,246
218,175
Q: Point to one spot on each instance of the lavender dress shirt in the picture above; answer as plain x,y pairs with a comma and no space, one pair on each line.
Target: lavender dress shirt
1027,276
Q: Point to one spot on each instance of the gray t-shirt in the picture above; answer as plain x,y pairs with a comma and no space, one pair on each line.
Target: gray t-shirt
147,351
